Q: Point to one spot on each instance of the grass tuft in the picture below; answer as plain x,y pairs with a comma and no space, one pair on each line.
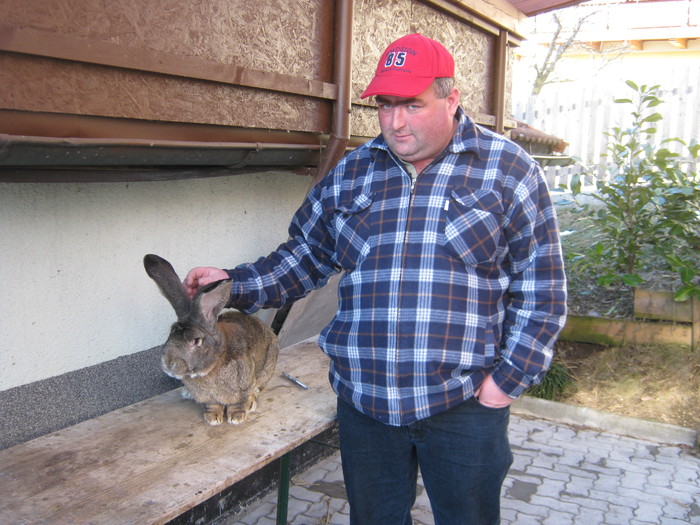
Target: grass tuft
557,384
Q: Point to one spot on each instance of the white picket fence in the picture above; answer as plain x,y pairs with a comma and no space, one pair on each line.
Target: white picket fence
581,112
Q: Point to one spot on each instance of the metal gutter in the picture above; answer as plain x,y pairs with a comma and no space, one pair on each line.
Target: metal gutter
499,84
342,70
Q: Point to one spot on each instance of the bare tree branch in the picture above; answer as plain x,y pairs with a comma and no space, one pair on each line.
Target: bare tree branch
555,51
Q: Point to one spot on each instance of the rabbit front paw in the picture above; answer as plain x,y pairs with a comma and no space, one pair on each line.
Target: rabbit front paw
214,414
236,416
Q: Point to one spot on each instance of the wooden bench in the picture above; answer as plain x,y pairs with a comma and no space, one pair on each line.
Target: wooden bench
151,462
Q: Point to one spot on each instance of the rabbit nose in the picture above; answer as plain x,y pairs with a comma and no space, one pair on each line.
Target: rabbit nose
170,368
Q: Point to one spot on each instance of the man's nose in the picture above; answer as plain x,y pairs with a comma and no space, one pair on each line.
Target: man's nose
398,118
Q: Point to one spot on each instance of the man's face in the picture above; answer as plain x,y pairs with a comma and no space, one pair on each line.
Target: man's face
417,129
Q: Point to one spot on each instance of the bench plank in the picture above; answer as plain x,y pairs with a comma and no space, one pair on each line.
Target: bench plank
152,461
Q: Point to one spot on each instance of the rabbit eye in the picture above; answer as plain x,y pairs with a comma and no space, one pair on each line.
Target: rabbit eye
197,341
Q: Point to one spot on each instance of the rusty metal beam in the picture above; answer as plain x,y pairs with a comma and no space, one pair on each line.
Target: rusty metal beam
44,159
13,122
138,152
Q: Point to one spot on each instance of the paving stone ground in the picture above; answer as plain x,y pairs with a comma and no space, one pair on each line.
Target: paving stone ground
561,475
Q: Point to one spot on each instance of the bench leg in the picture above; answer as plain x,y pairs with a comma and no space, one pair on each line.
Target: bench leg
283,490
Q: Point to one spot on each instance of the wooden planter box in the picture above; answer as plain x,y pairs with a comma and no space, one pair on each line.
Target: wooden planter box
660,306
658,319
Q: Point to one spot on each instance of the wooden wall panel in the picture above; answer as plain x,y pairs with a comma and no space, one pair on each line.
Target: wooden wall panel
473,50
364,121
379,23
46,85
292,39
288,37
274,35
509,82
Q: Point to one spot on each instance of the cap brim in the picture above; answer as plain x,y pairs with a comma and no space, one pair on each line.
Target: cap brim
397,86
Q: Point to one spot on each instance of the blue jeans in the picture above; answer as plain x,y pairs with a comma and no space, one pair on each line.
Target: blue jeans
463,455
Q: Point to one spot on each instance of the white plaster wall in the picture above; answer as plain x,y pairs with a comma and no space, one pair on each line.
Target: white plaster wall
74,291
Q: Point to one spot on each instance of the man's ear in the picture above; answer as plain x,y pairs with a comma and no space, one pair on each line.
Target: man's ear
453,100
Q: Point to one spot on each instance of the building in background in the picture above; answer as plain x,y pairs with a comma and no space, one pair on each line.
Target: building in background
649,42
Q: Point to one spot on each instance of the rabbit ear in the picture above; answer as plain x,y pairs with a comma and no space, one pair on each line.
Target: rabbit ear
162,272
209,301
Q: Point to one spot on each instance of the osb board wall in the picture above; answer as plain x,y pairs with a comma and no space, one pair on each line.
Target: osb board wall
46,85
509,81
290,37
379,22
282,36
274,35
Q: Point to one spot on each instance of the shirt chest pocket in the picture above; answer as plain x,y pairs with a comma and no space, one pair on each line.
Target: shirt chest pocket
352,228
473,226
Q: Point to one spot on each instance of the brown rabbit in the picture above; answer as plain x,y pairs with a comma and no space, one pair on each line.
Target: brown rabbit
223,361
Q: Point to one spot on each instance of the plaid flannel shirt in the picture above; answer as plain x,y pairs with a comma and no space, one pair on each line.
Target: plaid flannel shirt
447,278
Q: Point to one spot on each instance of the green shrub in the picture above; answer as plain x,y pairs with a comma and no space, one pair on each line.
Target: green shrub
649,202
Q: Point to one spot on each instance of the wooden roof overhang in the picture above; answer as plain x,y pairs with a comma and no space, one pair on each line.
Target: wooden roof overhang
86,148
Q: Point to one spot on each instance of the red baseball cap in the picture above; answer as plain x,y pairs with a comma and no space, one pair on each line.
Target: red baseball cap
408,67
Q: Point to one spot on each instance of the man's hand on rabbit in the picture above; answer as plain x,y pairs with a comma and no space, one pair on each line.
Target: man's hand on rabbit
201,276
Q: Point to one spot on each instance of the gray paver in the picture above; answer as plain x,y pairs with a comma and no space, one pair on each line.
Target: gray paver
561,475
559,518
650,512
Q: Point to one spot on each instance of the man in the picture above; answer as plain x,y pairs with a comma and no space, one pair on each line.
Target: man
452,296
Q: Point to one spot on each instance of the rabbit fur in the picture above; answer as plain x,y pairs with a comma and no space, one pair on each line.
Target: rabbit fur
225,360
